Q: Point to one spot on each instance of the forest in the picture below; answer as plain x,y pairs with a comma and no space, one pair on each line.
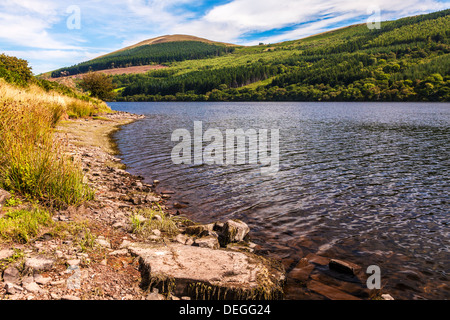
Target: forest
405,60
148,54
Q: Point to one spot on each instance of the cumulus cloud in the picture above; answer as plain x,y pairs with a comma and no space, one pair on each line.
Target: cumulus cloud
37,29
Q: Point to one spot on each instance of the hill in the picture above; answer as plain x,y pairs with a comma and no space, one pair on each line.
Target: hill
405,60
153,51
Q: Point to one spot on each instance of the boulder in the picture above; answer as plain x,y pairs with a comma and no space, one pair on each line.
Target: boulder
233,231
207,242
204,273
11,275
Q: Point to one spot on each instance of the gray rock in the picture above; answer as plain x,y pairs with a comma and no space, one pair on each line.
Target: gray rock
39,263
233,231
11,275
238,275
207,242
12,288
32,287
102,242
6,253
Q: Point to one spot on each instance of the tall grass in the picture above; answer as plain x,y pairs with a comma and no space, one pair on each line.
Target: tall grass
32,162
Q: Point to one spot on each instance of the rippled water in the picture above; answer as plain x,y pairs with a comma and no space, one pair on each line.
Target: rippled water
366,182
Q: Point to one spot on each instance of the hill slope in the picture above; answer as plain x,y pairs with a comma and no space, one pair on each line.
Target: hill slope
406,60
153,51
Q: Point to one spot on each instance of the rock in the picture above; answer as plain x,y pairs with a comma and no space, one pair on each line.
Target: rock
151,198
233,231
199,229
39,279
32,287
39,263
301,273
102,242
329,292
4,195
157,217
387,296
70,297
11,275
223,274
207,242
314,258
156,232
73,262
119,252
12,288
181,238
6,253
343,266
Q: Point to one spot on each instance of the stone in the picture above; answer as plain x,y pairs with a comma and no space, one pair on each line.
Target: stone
4,195
11,275
119,252
207,242
343,266
151,198
199,229
73,262
156,232
155,296
314,258
301,273
39,279
12,288
32,287
102,242
70,297
233,231
39,263
329,292
387,296
6,253
238,275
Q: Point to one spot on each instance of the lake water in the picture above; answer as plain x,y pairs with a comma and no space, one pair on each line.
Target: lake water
363,182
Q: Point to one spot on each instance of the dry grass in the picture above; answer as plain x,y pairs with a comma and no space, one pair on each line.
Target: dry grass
32,162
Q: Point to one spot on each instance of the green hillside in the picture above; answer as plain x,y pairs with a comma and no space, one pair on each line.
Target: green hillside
148,54
405,60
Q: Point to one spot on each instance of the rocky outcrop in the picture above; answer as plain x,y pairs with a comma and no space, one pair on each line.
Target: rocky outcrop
204,273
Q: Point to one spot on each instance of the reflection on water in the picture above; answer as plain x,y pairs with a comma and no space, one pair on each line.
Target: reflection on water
367,182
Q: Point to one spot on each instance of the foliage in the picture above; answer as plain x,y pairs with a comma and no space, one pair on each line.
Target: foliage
33,163
15,70
98,84
394,63
21,225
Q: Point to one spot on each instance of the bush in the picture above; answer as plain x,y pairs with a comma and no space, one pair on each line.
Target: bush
15,70
98,84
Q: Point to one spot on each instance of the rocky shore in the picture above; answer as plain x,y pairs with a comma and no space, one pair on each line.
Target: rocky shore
125,244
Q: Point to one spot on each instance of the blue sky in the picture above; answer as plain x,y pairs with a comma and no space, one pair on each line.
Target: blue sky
52,34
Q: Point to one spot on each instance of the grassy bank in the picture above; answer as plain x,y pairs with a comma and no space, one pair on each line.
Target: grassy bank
35,165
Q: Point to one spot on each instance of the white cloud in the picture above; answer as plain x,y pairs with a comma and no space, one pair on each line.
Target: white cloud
37,30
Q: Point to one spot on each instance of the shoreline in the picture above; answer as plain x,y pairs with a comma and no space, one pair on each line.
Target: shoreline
128,222
105,253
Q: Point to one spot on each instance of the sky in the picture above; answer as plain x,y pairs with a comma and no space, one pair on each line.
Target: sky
51,34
